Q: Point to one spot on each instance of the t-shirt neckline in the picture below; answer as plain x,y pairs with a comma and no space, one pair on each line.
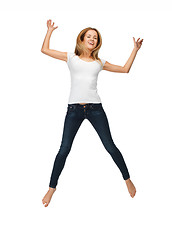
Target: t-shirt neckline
85,61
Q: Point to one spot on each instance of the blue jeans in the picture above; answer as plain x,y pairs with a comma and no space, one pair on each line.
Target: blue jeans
75,115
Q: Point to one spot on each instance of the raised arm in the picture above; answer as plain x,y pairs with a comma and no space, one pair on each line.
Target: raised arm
45,47
126,68
114,68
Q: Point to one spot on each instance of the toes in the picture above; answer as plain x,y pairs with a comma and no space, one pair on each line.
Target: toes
132,195
45,204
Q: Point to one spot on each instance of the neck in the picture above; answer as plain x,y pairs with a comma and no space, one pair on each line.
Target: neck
86,54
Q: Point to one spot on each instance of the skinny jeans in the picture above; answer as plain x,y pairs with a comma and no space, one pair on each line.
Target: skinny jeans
75,115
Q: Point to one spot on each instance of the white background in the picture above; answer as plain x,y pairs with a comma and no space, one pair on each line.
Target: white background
91,200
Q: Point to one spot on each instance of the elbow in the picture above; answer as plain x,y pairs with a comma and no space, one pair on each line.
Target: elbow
43,50
126,70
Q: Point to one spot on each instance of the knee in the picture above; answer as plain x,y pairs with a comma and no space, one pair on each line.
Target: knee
112,149
64,150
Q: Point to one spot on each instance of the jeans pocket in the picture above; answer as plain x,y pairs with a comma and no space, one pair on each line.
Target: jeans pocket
71,108
96,107
96,110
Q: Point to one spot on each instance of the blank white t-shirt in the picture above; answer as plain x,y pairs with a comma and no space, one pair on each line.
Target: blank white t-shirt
83,79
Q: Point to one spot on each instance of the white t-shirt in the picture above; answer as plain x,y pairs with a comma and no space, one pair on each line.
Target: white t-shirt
83,79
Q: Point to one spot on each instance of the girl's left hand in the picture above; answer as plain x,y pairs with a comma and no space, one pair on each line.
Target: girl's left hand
137,44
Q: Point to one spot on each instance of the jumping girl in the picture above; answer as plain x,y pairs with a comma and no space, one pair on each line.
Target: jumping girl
84,101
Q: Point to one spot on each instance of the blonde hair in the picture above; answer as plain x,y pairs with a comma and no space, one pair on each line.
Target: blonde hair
80,48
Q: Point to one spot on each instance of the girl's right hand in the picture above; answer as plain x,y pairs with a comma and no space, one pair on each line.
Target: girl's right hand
50,27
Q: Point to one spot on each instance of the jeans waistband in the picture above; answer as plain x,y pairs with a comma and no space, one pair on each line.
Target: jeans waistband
86,105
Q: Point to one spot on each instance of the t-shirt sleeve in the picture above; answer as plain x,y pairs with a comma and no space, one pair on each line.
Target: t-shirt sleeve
103,61
69,55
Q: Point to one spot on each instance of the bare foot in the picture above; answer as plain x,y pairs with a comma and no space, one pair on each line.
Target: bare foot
131,187
47,198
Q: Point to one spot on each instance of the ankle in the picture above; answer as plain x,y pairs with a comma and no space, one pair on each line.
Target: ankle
52,189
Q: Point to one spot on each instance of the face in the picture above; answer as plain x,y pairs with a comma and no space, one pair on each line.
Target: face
90,39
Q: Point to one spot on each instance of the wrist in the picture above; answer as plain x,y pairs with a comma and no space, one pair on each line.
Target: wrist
49,30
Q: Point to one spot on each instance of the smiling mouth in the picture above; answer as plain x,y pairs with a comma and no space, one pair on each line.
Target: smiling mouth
91,43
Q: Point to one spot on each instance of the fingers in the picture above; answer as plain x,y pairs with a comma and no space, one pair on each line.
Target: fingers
138,40
141,42
51,25
49,21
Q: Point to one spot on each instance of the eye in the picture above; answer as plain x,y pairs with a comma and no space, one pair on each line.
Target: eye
89,37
